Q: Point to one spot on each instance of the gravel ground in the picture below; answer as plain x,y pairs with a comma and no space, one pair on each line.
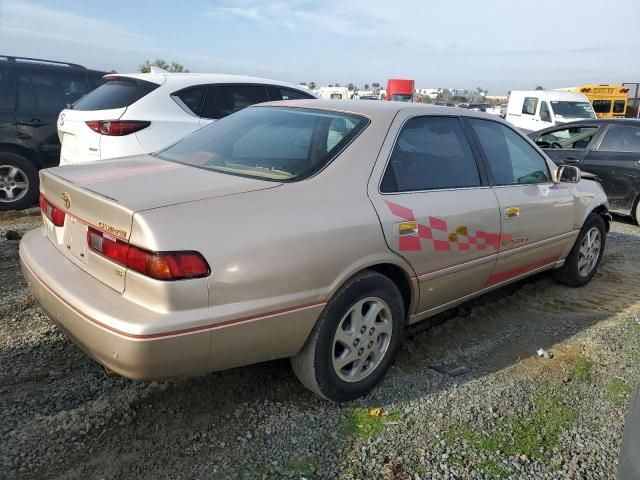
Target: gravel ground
512,415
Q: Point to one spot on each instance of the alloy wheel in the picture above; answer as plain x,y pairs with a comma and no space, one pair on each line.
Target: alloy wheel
14,183
589,251
362,339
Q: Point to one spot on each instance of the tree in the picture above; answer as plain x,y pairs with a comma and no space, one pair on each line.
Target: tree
172,67
312,85
539,88
350,87
366,86
336,85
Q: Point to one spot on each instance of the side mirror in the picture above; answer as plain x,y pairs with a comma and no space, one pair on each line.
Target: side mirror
568,174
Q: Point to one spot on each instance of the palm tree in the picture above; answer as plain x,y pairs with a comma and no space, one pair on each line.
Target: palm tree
366,86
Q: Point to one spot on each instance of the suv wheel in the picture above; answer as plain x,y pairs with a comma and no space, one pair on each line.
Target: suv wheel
18,182
582,262
355,340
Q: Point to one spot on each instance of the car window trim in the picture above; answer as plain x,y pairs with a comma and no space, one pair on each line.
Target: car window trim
484,180
538,150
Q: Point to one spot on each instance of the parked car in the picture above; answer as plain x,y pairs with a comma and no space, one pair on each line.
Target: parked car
368,97
140,113
608,148
629,461
311,229
478,107
538,109
32,93
493,110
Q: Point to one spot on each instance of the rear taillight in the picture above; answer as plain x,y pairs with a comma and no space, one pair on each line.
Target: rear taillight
158,265
53,213
117,128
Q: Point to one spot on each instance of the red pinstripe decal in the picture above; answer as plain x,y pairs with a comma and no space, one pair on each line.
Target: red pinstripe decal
212,326
498,277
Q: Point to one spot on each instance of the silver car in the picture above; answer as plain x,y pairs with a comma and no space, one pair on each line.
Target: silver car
316,230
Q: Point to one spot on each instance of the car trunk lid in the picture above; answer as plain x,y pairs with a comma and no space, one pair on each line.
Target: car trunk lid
106,195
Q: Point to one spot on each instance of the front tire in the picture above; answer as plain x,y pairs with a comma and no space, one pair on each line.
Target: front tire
584,259
19,183
355,340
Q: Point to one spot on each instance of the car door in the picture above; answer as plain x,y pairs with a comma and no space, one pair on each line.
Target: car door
568,144
616,161
435,207
42,95
537,216
8,129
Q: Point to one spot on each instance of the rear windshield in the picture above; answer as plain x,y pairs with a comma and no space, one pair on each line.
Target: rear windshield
269,143
117,93
572,109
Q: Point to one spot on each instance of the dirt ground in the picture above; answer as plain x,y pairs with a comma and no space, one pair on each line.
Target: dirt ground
62,417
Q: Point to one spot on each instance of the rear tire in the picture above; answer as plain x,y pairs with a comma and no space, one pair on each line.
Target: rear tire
355,340
584,259
19,183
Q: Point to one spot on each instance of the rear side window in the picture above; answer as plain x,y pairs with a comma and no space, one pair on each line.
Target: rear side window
191,99
117,93
223,100
529,105
621,138
26,97
511,159
50,91
601,106
431,153
277,93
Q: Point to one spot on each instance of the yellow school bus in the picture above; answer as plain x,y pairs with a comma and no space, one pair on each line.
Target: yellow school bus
609,101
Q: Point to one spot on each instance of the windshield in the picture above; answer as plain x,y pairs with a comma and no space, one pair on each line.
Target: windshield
400,97
572,109
270,143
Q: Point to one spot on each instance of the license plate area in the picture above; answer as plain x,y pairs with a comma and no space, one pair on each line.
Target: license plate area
74,239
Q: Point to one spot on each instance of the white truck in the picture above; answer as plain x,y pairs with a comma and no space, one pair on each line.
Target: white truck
537,109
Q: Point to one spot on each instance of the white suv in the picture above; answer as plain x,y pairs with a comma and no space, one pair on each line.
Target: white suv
134,114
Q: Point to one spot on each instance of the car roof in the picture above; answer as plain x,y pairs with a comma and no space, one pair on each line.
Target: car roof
183,80
380,108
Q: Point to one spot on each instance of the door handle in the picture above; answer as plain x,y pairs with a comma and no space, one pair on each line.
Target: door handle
572,160
511,212
34,122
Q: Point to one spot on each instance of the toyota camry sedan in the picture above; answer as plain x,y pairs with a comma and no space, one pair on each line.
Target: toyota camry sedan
315,230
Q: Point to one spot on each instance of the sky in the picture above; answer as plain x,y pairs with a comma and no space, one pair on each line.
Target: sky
498,45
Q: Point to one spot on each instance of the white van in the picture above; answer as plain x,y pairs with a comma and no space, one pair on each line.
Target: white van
534,110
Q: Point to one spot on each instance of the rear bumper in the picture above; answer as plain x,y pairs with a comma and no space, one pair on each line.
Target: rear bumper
63,290
90,314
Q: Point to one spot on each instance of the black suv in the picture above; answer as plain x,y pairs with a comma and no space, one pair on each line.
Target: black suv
32,94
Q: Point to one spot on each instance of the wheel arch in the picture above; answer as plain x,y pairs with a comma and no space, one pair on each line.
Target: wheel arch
603,211
25,152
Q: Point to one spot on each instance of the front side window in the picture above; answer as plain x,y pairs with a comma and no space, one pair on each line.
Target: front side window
511,159
573,137
545,114
621,138
269,143
601,106
566,109
529,105
431,153
223,100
